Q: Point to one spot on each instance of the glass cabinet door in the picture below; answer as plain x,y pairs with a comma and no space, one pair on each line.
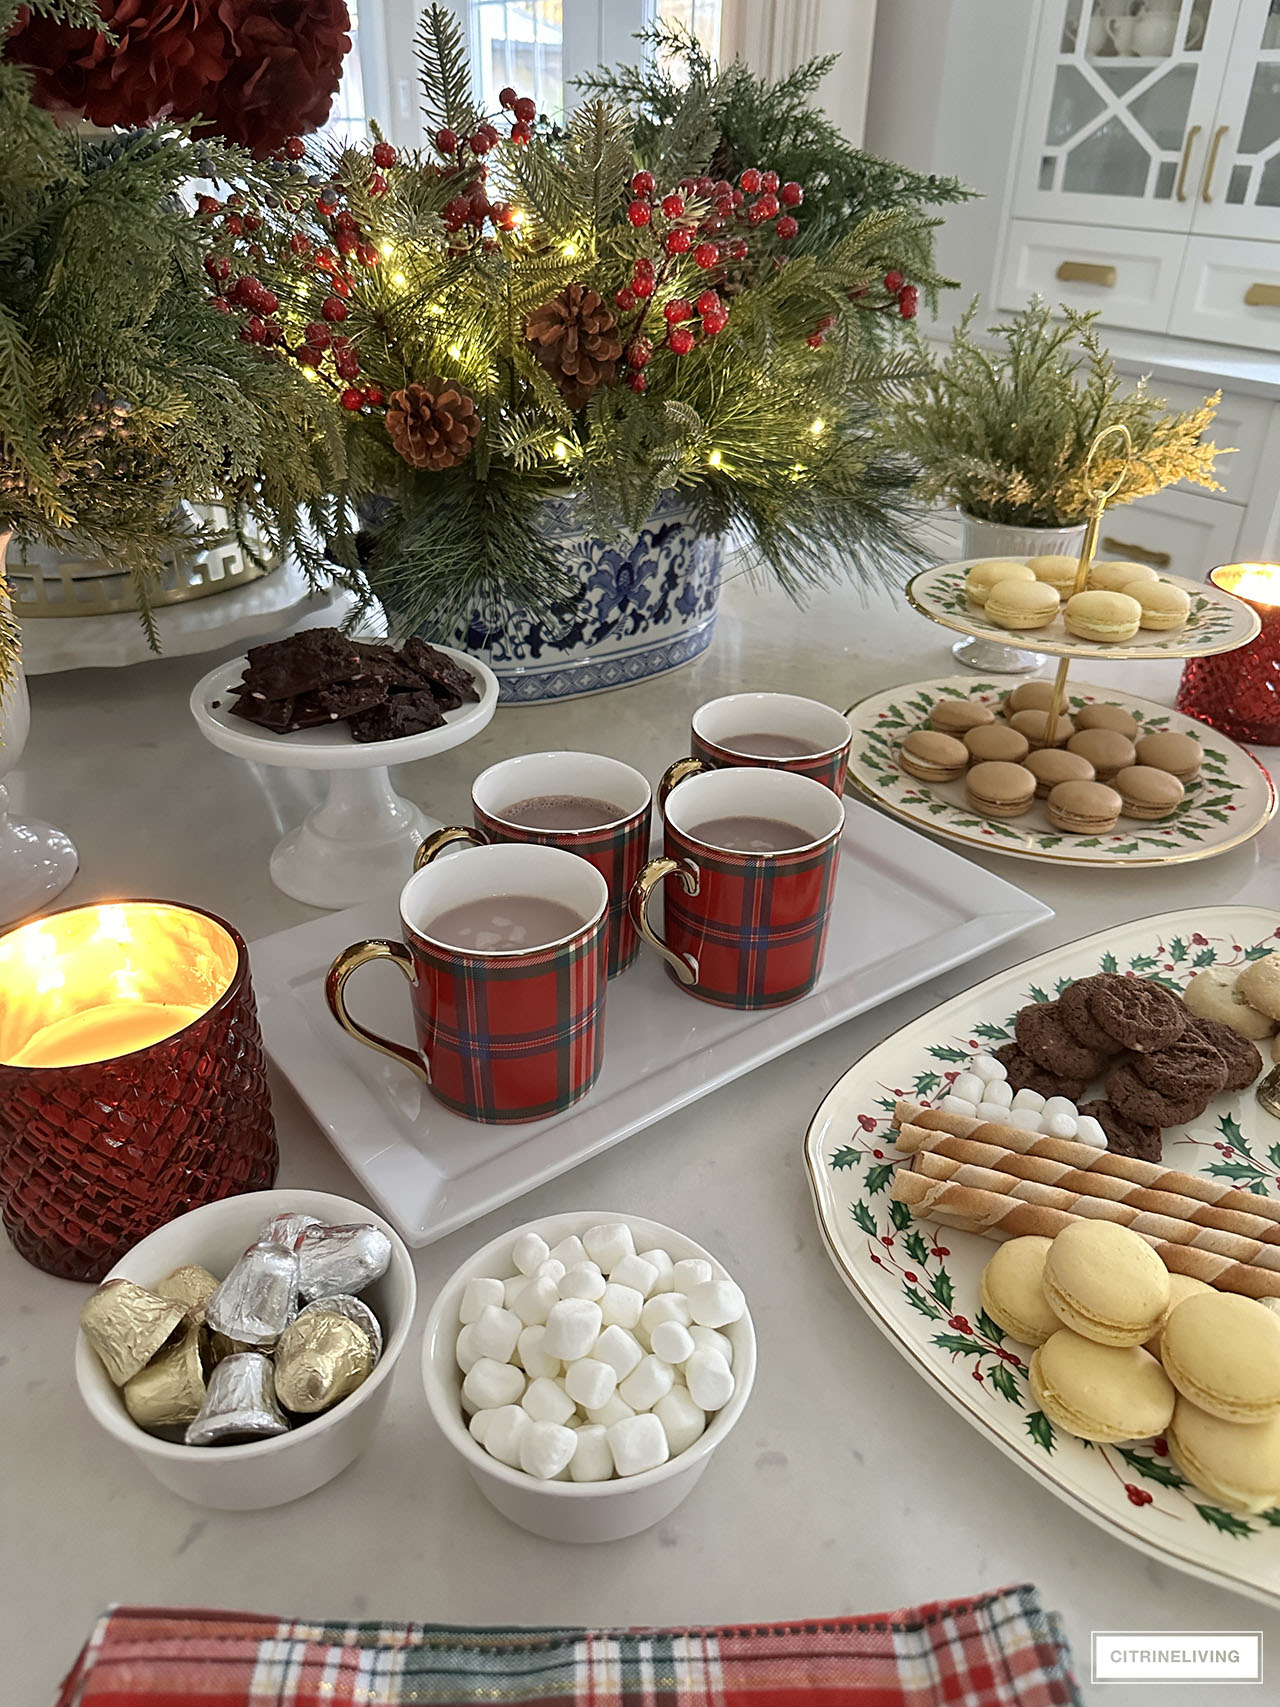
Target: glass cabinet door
1238,192
1123,97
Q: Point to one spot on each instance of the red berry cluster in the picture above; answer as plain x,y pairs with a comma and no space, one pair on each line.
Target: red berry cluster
899,296
470,207
907,296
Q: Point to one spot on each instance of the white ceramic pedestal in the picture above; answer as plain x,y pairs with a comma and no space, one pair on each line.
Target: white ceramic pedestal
359,843
36,861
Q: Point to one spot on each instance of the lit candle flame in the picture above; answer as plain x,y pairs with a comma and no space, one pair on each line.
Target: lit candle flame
1259,583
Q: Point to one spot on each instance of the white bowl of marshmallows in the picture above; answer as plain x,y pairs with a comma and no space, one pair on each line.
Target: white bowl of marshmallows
586,1367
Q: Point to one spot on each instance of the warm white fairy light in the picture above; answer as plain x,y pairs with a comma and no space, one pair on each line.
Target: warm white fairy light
817,426
713,461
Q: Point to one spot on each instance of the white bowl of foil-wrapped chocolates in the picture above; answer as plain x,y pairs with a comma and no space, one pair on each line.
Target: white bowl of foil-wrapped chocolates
244,1351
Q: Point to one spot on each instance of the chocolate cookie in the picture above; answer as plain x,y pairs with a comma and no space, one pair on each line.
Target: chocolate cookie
1242,1060
1025,1075
1074,1005
1043,1035
1138,1014
1125,1137
1137,1101
1190,1067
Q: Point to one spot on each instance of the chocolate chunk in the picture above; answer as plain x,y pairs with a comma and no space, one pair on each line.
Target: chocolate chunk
1125,1137
1136,1101
382,658
448,681
1042,1035
1138,1014
273,714
402,714
1242,1060
1187,1068
1074,1006
361,693
1024,1074
301,662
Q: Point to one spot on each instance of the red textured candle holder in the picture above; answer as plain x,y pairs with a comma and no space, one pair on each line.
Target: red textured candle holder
96,1154
1239,692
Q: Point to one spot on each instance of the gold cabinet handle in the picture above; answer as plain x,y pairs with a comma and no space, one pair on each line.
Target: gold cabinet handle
1088,272
1187,146
1144,553
1263,296
1214,146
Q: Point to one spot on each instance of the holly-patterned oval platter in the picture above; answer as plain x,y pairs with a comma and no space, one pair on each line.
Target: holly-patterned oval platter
1230,801
918,1281
1216,622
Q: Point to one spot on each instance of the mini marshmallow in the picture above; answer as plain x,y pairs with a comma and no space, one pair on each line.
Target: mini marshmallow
1027,1098
1090,1131
547,1448
511,1290
690,1273
637,1444
534,1301
665,1307
682,1421
635,1272
988,1069
529,1350
573,1326
490,1384
504,1433
608,1243
552,1269
649,1381
716,1303
991,1111
958,1105
1027,1119
710,1339
1001,1091
494,1333
476,1295
547,1401
592,1460
466,1350
480,1423
672,1342
620,1306
529,1250
710,1380
1058,1105
613,1410
570,1251
661,1260
968,1086
590,1382
583,1280
1059,1125
619,1349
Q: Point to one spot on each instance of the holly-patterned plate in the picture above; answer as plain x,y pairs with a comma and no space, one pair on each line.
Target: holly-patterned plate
1217,622
1230,801
918,1281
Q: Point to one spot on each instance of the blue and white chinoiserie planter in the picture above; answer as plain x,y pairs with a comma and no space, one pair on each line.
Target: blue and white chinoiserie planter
648,605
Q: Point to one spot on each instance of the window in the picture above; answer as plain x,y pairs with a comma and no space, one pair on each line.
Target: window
519,43
348,114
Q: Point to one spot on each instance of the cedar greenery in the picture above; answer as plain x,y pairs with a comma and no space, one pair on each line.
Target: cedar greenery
1003,427
767,428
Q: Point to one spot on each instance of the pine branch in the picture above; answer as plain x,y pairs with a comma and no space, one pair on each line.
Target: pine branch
445,73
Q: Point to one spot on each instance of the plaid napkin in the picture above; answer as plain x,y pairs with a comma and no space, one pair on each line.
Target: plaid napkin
1001,1650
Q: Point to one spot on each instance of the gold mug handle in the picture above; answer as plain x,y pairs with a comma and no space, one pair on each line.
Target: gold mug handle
684,966
373,948
676,774
439,840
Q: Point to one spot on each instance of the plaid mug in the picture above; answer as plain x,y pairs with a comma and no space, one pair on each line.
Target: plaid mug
743,928
770,731
617,846
504,1034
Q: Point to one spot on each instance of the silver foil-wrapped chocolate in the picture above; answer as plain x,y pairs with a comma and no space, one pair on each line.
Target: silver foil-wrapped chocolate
258,1299
126,1325
322,1356
239,1405
287,1228
344,1304
341,1259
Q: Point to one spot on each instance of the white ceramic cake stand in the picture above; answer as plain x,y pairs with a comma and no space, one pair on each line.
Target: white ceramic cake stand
36,860
360,841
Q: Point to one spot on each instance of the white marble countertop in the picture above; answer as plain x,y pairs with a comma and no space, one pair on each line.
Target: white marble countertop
848,1486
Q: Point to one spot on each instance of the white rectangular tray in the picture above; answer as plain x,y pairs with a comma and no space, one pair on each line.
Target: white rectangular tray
905,910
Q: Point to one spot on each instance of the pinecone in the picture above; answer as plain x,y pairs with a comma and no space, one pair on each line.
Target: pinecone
433,423
575,337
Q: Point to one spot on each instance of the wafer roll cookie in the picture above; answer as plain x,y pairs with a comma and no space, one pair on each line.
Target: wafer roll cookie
971,1210
1154,1228
1090,1183
1204,1189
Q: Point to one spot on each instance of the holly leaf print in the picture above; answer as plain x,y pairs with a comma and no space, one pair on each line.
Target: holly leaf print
917,1247
900,1215
1230,1130
1151,1468
942,1289
918,1301
1143,962
1041,1430
960,1344
926,1084
1206,957
1037,994
1177,949
992,1033
1226,1521
944,1052
847,1156
1109,963
1273,1155
989,1329
1272,1517
878,1177
1259,951
1001,1377
863,1216
1234,1170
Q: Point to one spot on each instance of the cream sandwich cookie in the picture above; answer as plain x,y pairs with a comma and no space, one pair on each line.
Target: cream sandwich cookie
1000,790
1109,575
1056,572
1105,716
1146,792
1083,808
1163,604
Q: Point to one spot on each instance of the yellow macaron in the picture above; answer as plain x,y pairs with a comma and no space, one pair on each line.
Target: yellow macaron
1022,604
1012,1294
1056,572
1109,575
1222,1352
1180,1286
1163,604
1103,1280
983,576
1236,1464
1100,1392
1106,617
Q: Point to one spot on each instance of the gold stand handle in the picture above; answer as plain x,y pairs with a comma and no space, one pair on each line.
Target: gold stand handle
373,948
1206,191
676,774
1187,146
439,840
684,966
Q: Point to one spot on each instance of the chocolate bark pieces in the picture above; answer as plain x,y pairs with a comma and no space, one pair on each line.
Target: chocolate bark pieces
348,699
447,679
1125,1137
273,714
402,714
381,658
280,669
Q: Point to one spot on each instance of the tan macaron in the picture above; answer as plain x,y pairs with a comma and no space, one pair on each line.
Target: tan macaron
1109,618
1028,696
1083,808
1259,984
1180,755
1000,790
1236,1464
1104,1281
1011,1292
933,757
1000,742
1052,765
957,716
1109,575
1106,750
1032,724
1163,604
1146,792
1021,604
1104,716
1222,1352
1056,572
983,576
1100,1392
1180,1286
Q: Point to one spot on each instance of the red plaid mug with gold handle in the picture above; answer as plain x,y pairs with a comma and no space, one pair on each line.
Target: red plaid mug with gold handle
586,803
773,731
754,854
504,949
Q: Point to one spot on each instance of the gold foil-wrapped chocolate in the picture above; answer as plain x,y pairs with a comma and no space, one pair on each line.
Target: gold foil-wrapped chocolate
190,1286
126,1325
321,1357
345,1304
170,1390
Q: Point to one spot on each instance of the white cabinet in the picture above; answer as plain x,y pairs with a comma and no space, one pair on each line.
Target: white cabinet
1176,532
1130,277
